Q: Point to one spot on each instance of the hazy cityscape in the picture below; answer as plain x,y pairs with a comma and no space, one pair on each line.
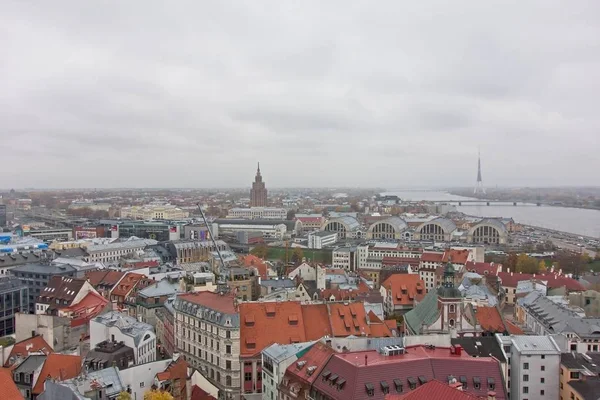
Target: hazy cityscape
299,200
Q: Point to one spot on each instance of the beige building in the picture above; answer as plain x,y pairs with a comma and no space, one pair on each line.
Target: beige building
154,211
207,332
588,300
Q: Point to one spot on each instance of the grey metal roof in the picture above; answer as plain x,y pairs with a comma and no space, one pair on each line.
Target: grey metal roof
481,346
60,391
31,363
10,284
350,223
127,325
196,244
49,269
493,222
557,318
279,352
207,313
129,244
446,224
397,223
278,283
535,344
161,288
290,225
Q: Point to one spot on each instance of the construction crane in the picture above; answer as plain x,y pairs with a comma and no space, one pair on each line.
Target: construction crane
212,237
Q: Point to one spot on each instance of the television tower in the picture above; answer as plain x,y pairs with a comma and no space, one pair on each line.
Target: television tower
479,189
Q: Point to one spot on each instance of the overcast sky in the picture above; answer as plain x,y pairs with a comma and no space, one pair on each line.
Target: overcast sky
322,93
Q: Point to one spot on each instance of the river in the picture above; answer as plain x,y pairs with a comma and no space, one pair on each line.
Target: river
572,220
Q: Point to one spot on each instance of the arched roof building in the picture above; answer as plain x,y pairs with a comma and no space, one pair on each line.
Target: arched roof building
346,227
488,231
438,229
389,228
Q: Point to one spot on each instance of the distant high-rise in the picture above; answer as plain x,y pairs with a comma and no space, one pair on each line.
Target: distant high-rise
479,189
258,193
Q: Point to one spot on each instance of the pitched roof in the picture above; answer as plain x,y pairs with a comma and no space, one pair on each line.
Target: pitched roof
405,288
315,360
434,390
483,268
58,366
513,329
489,319
426,312
457,256
104,277
125,285
588,389
61,288
8,388
370,369
262,324
199,394
432,257
30,345
86,309
511,279
480,346
176,371
223,303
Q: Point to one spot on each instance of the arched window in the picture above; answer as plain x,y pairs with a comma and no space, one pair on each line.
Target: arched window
452,308
228,380
451,323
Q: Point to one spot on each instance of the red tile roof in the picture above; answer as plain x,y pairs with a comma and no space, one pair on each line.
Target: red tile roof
105,277
405,288
434,390
251,261
358,369
558,281
89,307
316,358
224,303
489,319
457,256
511,279
262,324
199,394
513,329
127,284
176,371
483,268
432,257
60,367
318,316
8,388
24,347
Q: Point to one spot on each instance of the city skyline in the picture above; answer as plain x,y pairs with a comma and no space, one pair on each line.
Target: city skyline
97,96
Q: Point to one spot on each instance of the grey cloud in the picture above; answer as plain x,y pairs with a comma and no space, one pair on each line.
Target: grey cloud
322,93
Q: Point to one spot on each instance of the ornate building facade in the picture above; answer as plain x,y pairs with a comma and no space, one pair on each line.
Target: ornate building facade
258,193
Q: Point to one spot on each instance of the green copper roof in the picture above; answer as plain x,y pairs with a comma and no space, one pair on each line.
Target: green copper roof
426,312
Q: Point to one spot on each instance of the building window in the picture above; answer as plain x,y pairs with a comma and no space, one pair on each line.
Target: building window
451,323
542,380
141,384
451,308
228,349
228,380
228,364
525,378
525,390
542,392
247,376
543,367
543,357
525,365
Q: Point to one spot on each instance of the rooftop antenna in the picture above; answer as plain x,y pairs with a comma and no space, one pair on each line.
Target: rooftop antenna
211,236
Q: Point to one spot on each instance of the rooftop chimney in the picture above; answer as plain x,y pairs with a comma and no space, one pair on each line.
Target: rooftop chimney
366,360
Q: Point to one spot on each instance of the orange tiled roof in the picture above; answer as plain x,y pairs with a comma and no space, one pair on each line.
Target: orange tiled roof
176,371
513,329
58,366
434,390
316,358
457,256
405,288
24,347
432,257
351,319
317,319
489,319
126,284
8,388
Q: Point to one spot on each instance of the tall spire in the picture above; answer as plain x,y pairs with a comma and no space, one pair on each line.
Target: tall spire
479,189
258,169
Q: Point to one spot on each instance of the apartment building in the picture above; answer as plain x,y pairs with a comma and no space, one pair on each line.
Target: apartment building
321,239
111,252
258,213
207,332
154,211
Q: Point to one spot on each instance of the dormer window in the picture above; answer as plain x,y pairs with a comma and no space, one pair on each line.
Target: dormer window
491,383
477,382
385,388
370,389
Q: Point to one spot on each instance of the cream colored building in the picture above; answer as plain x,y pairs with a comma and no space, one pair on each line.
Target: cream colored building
154,211
207,332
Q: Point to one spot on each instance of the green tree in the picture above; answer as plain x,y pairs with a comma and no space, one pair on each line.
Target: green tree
542,266
526,264
511,261
261,251
124,396
297,255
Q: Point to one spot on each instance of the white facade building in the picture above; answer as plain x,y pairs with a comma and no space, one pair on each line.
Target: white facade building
534,367
207,332
118,327
258,213
370,256
114,251
154,211
275,360
320,239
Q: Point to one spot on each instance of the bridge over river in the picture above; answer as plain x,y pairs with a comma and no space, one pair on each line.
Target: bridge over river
476,202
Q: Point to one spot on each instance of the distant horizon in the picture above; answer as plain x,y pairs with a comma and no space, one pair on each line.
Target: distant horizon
279,188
